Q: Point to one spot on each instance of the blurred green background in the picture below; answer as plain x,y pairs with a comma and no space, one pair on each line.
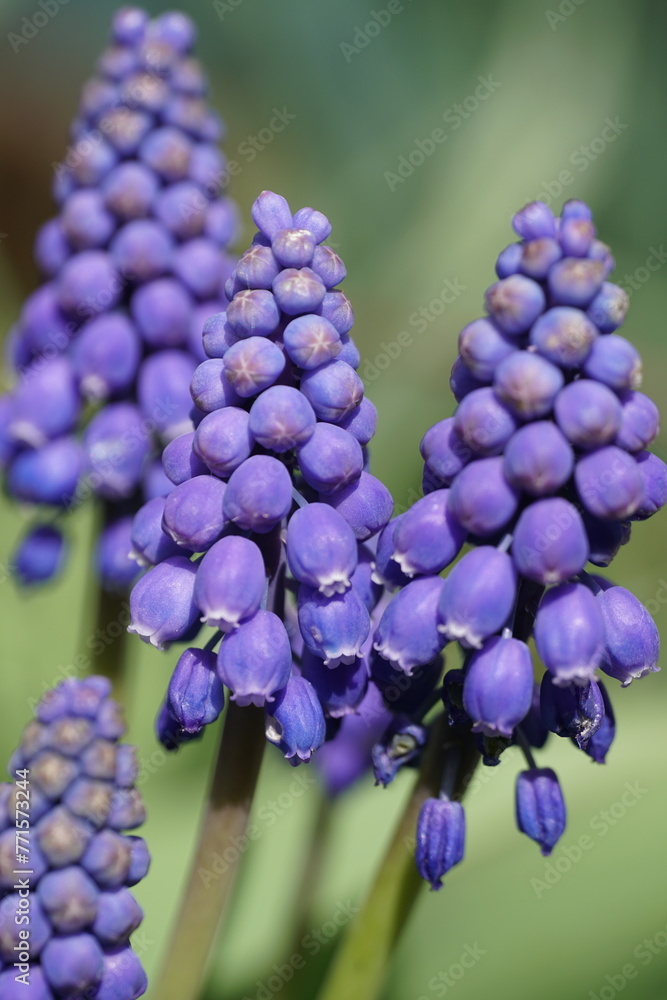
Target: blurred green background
557,75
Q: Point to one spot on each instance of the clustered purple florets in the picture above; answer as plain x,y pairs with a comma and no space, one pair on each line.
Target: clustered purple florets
132,265
66,867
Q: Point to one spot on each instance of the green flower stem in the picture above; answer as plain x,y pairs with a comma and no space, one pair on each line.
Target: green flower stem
359,967
203,904
108,645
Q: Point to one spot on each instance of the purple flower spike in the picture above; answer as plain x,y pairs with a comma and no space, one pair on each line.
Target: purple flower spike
609,307
588,413
334,390
252,365
40,555
514,303
428,537
321,549
193,513
179,460
223,440
210,389
550,543
538,460
259,494
609,483
366,505
572,710
569,633
477,597
49,475
498,686
440,839
615,362
295,722
255,659
117,444
195,697
407,635
601,740
106,355
564,336
230,583
271,213
443,450
640,421
654,478
253,313
339,691
482,499
331,459
483,422
45,404
333,628
540,809
527,384
311,340
482,347
162,603
631,639
534,221
299,290
575,282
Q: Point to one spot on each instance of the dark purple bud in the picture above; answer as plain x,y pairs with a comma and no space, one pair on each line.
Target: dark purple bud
211,389
575,711
48,475
550,543
162,603
333,628
118,916
339,691
70,899
631,639
483,422
477,597
180,461
609,307
482,499
271,213
533,727
569,633
514,303
107,859
654,477
428,537
440,839
601,740
509,260
527,384
534,221
230,583
331,459
281,418
574,281
540,809
366,505
334,390
462,381
255,659
538,459
253,313
539,256
498,686
482,346
298,290
259,494
407,635
640,421
130,190
609,483
45,403
223,440
588,413
193,513
564,336
604,538
337,309
116,569
295,722
361,422
106,356
401,743
39,556
252,365
321,549
444,451
163,391
195,696
72,965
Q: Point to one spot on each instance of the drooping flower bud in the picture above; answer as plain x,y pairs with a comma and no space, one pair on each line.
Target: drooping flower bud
550,543
321,549
295,722
440,839
162,603
498,686
195,697
631,638
407,634
477,597
569,633
255,659
572,710
333,628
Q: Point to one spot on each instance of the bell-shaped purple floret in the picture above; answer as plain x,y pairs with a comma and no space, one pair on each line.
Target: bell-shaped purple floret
339,691
193,513
640,421
311,341
258,494
534,221
550,543
295,722
333,628
331,459
45,403
654,478
601,740
538,460
588,413
321,549
40,555
162,602
365,504
163,391
440,839
540,808
115,566
255,659
195,696
386,571
482,347
179,460
570,633
443,450
230,583
615,362
527,384
334,390
223,440
407,635
498,686
401,743
281,418
428,537
514,303
210,389
483,422
106,356
572,710
117,445
48,475
564,336
477,597
482,499
609,483
252,365
631,639
149,544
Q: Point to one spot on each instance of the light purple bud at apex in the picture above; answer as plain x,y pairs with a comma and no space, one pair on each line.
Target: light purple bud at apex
253,313
195,697
223,440
331,459
569,633
210,389
333,628
252,365
588,413
514,303
527,384
281,418
407,635
255,659
321,549
298,290
440,839
534,221
477,597
550,543
162,603
482,347
334,390
271,213
640,421
443,450
540,809
576,236
615,362
366,505
315,222
564,336
230,582
311,340
573,710
575,282
498,686
258,494
193,513
609,483
482,499
538,460
428,537
295,723
654,477
179,460
483,422
609,307
631,639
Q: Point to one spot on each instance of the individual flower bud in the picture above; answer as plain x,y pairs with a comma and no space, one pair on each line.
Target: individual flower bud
149,544
169,732
255,659
575,282
604,538
540,809
45,403
130,190
328,266
570,633
609,307
331,458
179,460
572,710
162,604
210,389
514,303
141,250
337,309
161,310
51,250
167,151
46,332
70,899
564,336
401,743
429,537
217,336
498,686
576,236
12,989
483,422
443,450
48,475
407,634
482,499
106,355
163,391
339,691
365,504
640,421
386,571
257,268
193,513
295,721
509,260
13,919
588,413
117,445
40,555
197,264
538,460
311,341
527,384
534,221
361,422
609,483
321,549
440,839
334,390
631,639
72,964
538,257
271,213
602,739
462,381
298,290
333,628
477,597
230,582
88,284
118,916
222,440
615,362
258,495
653,472
253,364
293,247
116,569
550,543
85,220
281,418
482,347
195,696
